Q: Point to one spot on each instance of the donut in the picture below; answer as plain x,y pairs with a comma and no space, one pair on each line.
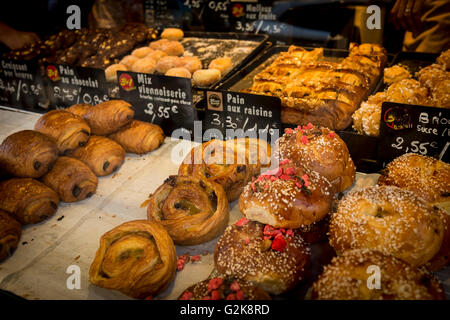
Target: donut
274,260
387,219
144,65
321,150
141,52
166,63
287,197
191,63
178,72
111,71
347,278
158,44
156,55
172,48
206,77
128,61
224,65
172,34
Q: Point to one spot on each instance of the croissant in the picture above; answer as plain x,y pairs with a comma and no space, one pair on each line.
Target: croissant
192,209
139,137
68,130
28,200
137,258
108,117
71,179
10,232
79,109
101,154
27,153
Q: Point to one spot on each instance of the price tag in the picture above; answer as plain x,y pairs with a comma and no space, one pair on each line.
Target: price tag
416,129
162,100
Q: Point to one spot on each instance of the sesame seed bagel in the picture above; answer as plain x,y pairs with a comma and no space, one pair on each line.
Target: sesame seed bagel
347,278
387,219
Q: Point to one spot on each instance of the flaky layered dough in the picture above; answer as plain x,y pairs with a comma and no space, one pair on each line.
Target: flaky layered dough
79,109
68,130
192,209
108,117
10,232
139,137
347,278
102,155
387,219
28,200
71,179
28,153
137,258
321,150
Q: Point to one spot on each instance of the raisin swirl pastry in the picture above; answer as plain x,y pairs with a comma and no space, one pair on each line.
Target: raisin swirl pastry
102,155
10,232
68,130
137,258
28,154
71,179
139,137
108,117
192,209
274,260
28,200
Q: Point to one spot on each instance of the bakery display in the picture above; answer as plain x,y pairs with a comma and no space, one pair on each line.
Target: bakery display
28,200
192,209
137,258
108,117
10,232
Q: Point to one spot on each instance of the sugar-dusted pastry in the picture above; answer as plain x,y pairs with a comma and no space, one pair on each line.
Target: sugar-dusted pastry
144,65
137,258
166,63
111,71
79,109
179,72
206,77
191,63
10,232
172,34
171,47
28,200
108,117
156,55
223,64
141,52
128,61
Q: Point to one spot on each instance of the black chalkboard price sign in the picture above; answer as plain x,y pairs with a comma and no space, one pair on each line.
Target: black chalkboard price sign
417,129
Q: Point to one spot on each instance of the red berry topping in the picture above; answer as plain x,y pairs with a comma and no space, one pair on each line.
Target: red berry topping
215,295
304,139
196,258
235,286
187,295
214,283
206,298
149,298
240,295
332,134
288,131
285,161
231,297
279,244
241,222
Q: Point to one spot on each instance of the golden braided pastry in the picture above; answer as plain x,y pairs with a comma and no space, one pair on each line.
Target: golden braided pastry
28,200
79,109
28,153
347,278
137,258
10,232
108,117
71,179
139,137
102,155
192,209
68,130
387,219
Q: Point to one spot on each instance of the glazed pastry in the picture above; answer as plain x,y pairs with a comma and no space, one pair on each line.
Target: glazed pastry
144,65
28,200
166,63
395,73
71,179
139,137
68,130
141,52
79,109
137,258
321,150
192,209
28,153
224,65
223,289
111,71
128,61
275,260
191,63
108,117
287,197
102,155
10,232
347,278
387,219
172,34
206,77
178,72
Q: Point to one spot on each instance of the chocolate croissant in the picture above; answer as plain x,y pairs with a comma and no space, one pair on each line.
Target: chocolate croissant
28,153
108,117
79,109
192,209
137,258
71,179
28,200
10,232
139,137
101,154
68,130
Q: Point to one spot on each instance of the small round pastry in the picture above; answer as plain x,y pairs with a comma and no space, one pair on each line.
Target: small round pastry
156,55
172,34
144,65
191,63
206,77
274,260
158,44
220,288
192,209
224,65
387,219
141,52
137,258
166,63
111,71
321,150
79,109
128,61
347,278
10,232
178,72
173,48
287,197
